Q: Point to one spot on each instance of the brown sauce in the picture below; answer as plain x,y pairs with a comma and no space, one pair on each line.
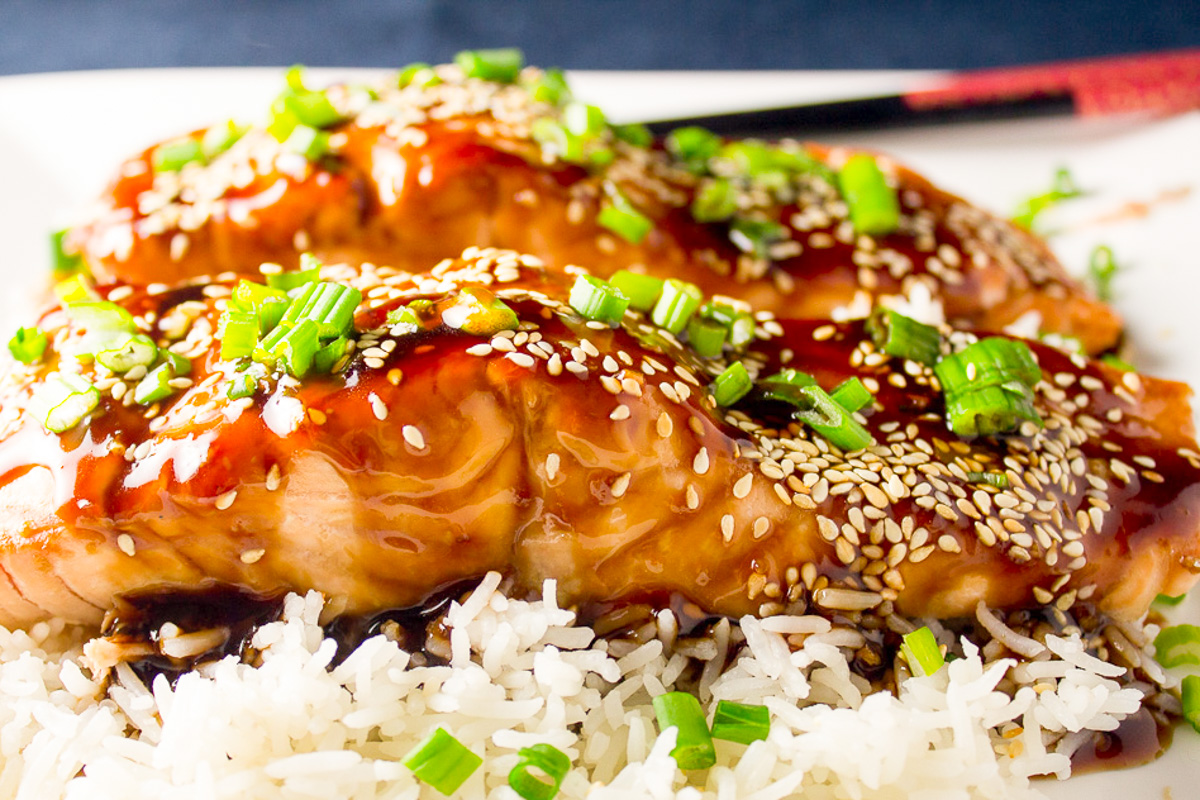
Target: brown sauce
1139,740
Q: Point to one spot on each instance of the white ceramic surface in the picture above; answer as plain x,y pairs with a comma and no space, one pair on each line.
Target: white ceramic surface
62,135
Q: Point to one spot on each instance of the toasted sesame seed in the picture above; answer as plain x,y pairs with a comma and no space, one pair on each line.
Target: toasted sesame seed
273,478
377,406
482,349
552,464
692,497
742,486
664,426
761,526
252,556
413,436
727,527
226,500
700,462
621,484
125,543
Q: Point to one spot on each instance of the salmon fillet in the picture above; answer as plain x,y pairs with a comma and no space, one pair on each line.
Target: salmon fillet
420,174
593,455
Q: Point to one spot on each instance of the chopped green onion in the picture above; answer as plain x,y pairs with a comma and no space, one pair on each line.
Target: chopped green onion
706,338
904,337
598,300
874,209
63,263
298,347
1102,268
634,133
328,356
266,302
442,761
619,216
1190,695
675,306
785,385
242,384
739,321
830,420
63,400
921,650
988,362
282,121
739,722
404,315
583,120
557,140
551,87
1064,188
693,146
758,160
294,78
693,743
174,156
642,290
28,344
1168,600
133,350
313,109
220,138
1116,362
330,305
547,759
990,410
501,65
1178,645
307,141
715,201
75,289
732,384
287,281
997,479
180,365
238,332
601,156
756,236
100,315
851,395
420,74
480,313
155,386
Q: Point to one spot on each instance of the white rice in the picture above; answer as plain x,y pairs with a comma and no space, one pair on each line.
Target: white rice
521,673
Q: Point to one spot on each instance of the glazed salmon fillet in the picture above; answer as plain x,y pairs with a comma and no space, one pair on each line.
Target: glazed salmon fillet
568,448
417,174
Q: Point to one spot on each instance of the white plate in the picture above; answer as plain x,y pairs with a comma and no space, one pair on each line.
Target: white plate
62,135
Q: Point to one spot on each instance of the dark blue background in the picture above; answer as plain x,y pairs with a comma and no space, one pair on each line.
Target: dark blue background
50,35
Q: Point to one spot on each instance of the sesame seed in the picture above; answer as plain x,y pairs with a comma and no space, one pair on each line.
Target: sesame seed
700,462
621,484
377,407
664,425
226,500
413,436
761,526
521,359
692,497
482,349
252,556
273,478
727,527
742,487
125,543
317,416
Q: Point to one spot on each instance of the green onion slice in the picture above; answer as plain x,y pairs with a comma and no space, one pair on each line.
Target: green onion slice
991,410
737,319
618,215
738,722
238,332
480,313
1064,188
921,650
1178,645
419,74
220,138
307,141
642,290
287,281
988,362
76,289
313,109
155,386
442,761
404,315
550,87
129,351
1190,694
693,146
175,155
904,337
675,306
583,120
328,356
997,479
63,400
241,384
1102,268
28,344
756,236
63,263
851,395
297,348
706,338
551,762
1168,600
715,201
693,745
634,133
732,384
556,140
500,65
830,420
598,300
874,208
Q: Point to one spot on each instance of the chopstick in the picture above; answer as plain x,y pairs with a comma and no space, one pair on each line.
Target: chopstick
1156,83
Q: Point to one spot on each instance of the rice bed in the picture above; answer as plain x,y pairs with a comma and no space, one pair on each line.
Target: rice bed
522,673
